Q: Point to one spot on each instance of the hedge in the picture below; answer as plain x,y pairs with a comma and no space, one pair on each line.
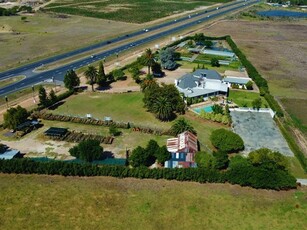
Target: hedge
279,180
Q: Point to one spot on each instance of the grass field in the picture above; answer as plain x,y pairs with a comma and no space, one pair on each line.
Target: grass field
244,98
128,107
55,202
45,34
135,11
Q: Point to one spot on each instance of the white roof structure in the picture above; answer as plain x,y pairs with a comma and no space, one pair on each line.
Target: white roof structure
8,155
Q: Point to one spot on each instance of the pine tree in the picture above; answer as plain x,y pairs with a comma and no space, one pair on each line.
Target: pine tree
43,99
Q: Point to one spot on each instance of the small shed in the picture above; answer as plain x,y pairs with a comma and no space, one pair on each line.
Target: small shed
55,132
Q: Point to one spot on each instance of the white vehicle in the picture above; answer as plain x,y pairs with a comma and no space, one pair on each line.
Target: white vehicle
92,56
217,8
146,30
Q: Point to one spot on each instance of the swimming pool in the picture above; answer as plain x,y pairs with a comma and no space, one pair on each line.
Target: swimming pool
207,109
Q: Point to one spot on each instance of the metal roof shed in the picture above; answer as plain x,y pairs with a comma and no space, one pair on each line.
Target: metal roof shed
10,154
56,132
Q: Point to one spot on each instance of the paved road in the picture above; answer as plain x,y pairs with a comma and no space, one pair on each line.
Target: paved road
58,73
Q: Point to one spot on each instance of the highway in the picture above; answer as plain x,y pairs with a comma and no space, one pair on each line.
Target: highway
58,73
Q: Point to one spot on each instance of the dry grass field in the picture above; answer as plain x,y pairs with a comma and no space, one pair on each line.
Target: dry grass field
45,34
56,202
278,49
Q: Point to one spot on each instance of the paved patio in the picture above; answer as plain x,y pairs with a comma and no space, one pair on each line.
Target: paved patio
258,130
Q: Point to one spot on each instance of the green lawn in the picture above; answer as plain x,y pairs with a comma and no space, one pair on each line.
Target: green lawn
244,98
190,65
56,202
128,107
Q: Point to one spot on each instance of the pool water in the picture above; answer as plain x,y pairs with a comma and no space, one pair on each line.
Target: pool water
207,109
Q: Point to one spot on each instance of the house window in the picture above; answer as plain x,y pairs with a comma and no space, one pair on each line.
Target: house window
177,155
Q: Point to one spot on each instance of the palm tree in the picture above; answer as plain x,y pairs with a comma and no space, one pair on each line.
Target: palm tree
91,75
180,126
149,59
163,109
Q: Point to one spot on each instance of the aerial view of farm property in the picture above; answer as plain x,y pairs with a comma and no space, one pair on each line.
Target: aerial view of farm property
153,114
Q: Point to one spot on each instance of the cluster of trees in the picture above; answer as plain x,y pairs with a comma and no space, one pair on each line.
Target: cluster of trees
218,114
226,140
201,39
215,62
88,150
44,99
14,10
164,101
293,2
168,57
263,168
14,117
147,156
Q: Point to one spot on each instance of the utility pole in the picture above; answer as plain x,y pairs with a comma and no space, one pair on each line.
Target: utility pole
33,94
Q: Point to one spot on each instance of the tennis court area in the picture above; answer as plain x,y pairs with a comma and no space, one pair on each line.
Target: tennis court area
258,130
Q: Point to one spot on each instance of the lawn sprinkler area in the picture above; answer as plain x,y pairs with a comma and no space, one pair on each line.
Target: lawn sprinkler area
207,109
258,130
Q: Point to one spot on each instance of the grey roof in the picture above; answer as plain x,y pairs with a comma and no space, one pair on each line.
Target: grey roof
219,53
208,73
8,155
236,80
187,81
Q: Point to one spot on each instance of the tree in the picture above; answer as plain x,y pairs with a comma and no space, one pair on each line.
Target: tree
257,103
42,95
167,58
205,160
88,150
71,79
199,38
101,76
139,157
157,69
181,125
149,59
162,154
268,159
118,74
221,160
215,62
91,75
163,109
249,85
135,73
152,147
52,97
208,43
14,117
217,109
226,140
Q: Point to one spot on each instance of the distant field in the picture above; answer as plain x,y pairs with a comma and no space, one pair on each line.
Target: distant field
135,11
46,34
55,202
297,109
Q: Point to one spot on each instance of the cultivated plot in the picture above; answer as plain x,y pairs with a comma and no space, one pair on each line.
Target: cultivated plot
258,130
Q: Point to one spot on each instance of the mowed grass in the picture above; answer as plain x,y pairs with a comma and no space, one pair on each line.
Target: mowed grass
55,202
136,11
128,107
244,98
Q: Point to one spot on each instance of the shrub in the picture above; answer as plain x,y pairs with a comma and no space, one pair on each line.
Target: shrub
226,140
88,150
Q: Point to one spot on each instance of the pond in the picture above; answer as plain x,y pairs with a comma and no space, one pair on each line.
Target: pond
282,13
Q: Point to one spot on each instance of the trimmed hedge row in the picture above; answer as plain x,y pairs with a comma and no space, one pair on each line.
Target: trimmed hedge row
251,176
